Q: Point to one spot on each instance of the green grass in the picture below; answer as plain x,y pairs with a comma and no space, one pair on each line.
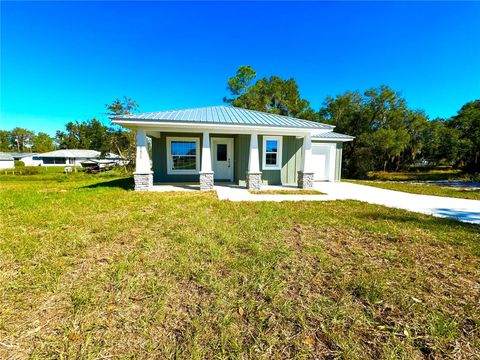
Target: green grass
423,189
90,269
422,175
287,192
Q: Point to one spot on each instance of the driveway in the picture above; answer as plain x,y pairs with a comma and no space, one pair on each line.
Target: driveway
460,209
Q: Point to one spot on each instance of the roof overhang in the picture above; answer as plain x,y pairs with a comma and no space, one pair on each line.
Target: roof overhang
156,127
331,139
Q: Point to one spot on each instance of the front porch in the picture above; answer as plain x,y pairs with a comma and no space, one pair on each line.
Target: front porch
249,160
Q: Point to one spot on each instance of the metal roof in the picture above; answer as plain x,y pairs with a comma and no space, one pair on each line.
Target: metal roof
224,115
77,153
333,136
19,155
5,156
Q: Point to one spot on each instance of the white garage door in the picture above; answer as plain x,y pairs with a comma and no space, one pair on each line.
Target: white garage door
322,162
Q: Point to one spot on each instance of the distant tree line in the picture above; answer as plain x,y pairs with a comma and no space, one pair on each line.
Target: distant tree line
388,134
89,134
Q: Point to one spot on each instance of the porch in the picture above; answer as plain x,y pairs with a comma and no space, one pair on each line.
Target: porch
249,160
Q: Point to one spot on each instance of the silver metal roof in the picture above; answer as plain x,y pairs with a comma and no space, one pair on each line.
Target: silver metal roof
333,136
77,153
5,156
224,115
19,155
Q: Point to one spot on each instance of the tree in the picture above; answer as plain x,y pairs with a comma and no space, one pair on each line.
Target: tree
21,139
273,95
42,142
467,122
4,140
123,141
239,84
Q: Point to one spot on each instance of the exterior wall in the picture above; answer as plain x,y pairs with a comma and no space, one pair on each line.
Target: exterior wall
159,159
7,164
291,159
338,162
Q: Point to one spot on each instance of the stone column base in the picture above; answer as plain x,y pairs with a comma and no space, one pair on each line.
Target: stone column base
206,180
305,180
143,181
254,180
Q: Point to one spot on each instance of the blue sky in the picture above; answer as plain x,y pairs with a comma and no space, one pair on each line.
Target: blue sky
63,61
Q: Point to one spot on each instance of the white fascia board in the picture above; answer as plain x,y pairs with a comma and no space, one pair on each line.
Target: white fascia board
331,140
218,128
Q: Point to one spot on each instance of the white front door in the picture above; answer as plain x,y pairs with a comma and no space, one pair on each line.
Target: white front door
222,159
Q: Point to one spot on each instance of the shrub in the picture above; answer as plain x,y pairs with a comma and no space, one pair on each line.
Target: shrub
19,163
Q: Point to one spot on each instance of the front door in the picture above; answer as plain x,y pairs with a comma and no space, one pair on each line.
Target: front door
222,159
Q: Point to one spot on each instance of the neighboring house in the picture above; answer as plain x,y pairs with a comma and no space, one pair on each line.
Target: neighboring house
73,157
6,161
224,143
26,158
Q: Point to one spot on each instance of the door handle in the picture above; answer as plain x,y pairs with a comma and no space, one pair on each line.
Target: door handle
228,162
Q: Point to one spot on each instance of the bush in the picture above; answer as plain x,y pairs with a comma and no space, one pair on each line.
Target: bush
19,163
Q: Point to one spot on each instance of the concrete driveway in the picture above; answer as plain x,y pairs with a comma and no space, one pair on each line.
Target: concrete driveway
460,209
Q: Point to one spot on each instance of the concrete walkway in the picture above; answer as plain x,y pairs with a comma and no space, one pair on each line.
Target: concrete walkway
460,209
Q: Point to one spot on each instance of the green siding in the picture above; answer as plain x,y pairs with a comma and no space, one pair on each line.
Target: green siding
291,159
338,162
159,159
291,162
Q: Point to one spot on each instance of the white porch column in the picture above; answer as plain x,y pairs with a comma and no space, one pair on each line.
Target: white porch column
143,175
305,176
206,172
254,176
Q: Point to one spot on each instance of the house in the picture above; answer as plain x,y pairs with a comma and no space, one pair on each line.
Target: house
224,143
72,157
26,158
6,161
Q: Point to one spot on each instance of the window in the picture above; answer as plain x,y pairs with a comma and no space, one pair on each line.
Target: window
54,160
221,152
272,152
183,155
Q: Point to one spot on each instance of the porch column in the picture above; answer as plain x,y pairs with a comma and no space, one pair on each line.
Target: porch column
206,172
143,175
254,175
305,176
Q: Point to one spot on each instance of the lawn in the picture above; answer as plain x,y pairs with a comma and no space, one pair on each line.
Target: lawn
90,269
423,189
286,192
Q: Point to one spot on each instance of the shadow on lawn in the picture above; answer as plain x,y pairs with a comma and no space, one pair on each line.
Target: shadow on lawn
124,183
452,220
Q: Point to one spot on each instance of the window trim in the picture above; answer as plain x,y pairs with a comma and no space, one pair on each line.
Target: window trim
279,140
171,171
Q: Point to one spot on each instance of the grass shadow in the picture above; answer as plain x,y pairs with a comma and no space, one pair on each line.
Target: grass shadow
123,183
424,223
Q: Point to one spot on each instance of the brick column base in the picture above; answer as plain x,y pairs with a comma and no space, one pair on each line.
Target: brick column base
305,180
143,182
254,180
206,180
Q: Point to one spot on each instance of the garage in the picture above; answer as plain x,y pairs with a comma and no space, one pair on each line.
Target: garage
323,161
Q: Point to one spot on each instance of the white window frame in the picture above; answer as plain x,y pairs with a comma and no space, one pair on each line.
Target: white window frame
171,171
278,166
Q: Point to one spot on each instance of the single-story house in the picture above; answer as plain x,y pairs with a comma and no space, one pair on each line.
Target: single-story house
72,157
6,161
26,158
225,143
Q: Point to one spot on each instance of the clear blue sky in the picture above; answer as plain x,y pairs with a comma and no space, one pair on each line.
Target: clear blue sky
63,61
